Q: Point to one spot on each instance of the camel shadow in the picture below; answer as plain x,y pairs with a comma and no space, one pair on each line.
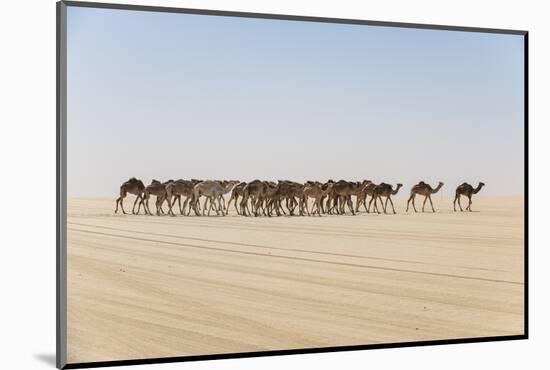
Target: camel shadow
47,358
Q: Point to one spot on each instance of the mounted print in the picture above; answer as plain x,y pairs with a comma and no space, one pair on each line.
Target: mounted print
237,184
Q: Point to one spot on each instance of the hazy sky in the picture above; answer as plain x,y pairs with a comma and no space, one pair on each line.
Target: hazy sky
159,95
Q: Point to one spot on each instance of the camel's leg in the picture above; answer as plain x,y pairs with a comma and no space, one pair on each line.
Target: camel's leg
460,205
222,202
379,198
220,205
147,204
210,205
119,200
350,204
392,207
179,202
319,205
134,207
122,205
257,206
423,204
430,198
365,203
280,208
370,203
454,202
182,208
414,205
140,197
142,202
170,204
204,206
160,202
243,205
386,204
157,206
195,204
234,199
469,208
408,201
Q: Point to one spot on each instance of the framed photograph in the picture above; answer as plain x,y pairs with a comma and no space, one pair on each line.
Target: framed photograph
236,184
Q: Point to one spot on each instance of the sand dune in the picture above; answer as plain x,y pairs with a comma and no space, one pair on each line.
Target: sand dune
144,286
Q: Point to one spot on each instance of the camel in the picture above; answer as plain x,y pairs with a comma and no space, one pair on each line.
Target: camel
177,189
295,190
466,190
212,190
235,194
365,190
228,186
157,189
341,192
253,191
384,190
132,186
316,191
423,189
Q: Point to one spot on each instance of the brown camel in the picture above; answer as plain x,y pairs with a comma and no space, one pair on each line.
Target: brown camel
467,190
157,189
132,186
384,190
423,189
252,191
341,193
235,194
366,190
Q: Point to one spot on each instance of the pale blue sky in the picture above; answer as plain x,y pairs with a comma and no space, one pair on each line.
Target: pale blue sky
160,95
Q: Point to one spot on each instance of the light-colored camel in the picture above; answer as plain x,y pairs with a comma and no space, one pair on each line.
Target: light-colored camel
384,190
423,189
228,186
213,191
132,186
177,189
316,191
467,190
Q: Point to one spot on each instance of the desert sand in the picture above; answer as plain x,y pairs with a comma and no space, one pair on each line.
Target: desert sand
147,286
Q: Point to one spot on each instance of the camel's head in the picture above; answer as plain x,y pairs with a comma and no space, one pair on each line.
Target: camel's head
399,185
441,184
481,184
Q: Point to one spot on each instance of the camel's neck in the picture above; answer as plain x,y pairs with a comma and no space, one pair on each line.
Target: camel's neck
396,190
437,189
476,190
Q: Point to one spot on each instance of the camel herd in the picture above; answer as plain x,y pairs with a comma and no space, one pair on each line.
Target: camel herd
268,198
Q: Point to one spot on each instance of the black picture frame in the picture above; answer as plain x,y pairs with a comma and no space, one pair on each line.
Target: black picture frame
61,194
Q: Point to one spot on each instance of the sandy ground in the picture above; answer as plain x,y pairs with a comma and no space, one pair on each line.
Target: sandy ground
144,286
